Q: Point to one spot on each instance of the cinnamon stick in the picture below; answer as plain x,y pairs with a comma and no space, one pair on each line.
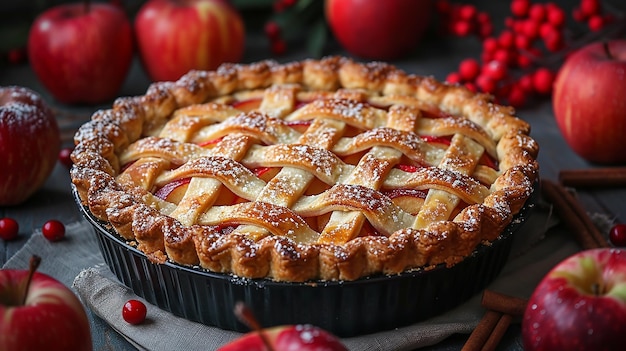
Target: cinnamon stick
493,325
502,303
573,215
481,333
497,333
594,177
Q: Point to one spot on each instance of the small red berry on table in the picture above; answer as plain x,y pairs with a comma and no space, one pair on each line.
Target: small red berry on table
64,156
134,312
9,228
617,235
53,230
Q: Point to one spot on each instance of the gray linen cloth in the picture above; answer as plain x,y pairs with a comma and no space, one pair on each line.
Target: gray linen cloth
77,262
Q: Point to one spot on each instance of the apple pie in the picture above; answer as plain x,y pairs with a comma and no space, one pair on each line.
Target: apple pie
327,169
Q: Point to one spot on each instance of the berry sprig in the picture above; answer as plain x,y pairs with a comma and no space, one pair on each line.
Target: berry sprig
290,21
520,62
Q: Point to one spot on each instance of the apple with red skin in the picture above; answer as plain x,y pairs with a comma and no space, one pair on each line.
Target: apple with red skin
81,52
176,36
589,104
37,312
580,304
303,337
379,30
29,143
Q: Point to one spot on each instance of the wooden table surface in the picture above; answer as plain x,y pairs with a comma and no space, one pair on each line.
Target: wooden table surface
437,58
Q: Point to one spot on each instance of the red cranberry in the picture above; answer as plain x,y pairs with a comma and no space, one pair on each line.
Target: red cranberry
495,70
486,84
506,39
490,45
8,228
556,15
503,55
520,8
462,28
537,12
525,82
531,28
471,86
64,157
272,30
469,69
522,42
453,78
468,12
590,7
617,235
53,230
134,312
517,96
595,23
543,80
554,41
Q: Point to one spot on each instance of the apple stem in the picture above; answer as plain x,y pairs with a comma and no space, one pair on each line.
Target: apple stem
607,51
33,265
245,315
87,6
595,289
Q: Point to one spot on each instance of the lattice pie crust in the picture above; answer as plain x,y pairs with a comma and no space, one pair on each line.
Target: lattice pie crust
315,170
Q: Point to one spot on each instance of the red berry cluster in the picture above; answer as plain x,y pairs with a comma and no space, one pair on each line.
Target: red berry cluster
510,66
592,13
463,19
282,5
273,32
278,45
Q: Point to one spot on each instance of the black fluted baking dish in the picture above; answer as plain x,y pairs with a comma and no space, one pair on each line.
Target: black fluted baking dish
346,308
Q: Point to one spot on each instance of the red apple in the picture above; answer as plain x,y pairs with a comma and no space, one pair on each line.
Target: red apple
294,337
176,36
29,143
379,30
580,304
81,52
301,337
589,103
37,312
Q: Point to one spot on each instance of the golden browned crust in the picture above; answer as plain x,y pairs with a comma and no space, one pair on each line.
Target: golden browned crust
270,234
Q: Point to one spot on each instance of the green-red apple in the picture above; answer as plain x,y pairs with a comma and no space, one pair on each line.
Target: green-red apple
37,312
293,337
580,304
